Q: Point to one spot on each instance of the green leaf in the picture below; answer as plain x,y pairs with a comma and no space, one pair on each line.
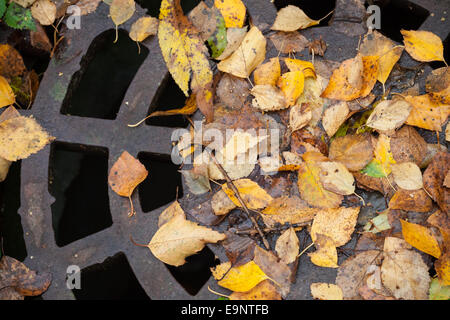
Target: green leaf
223,298
378,224
19,18
2,7
374,169
438,292
218,41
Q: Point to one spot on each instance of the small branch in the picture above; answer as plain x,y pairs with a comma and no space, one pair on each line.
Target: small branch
274,229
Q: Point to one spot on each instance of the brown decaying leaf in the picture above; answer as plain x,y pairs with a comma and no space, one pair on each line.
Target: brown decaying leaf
408,146
287,246
354,151
234,39
143,28
433,179
39,39
204,19
239,250
179,238
403,271
88,6
438,80
25,282
233,91
264,290
415,200
126,174
221,203
289,42
11,62
318,47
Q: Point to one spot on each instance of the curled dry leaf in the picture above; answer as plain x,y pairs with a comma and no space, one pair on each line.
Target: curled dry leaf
421,238
233,12
179,238
338,224
250,54
268,98
265,290
292,18
251,193
335,177
407,175
416,200
326,291
309,185
126,174
354,151
238,279
234,40
287,246
423,46
389,115
403,271
268,73
221,203
375,44
44,11
334,116
20,137
326,253
143,28
7,96
353,79
292,84
287,42
426,112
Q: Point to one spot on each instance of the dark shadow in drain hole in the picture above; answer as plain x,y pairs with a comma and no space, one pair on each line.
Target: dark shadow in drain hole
160,186
193,275
113,279
153,6
78,179
106,72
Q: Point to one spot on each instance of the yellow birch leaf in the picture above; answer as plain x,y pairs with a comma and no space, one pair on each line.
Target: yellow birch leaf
423,46
442,267
383,154
143,28
233,12
126,174
426,113
20,137
7,96
309,185
326,253
44,11
292,18
421,238
336,178
183,50
292,83
334,116
250,54
407,175
268,73
326,291
389,53
265,290
299,65
121,10
251,193
239,279
268,98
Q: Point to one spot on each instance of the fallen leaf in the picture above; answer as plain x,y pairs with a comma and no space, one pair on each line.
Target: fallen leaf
291,210
287,246
326,291
88,6
168,214
204,19
18,277
268,73
442,267
433,178
189,108
306,67
338,224
408,146
289,42
416,200
438,291
291,84
427,113
352,271
311,96
44,11
11,62
423,46
218,40
299,116
389,115
381,164
4,168
334,116
233,12
407,175
233,91
234,40
389,53
20,137
143,28
403,271
367,294
309,185
292,18
250,54
238,279
198,183
265,290
251,193
353,79
421,238
7,96
335,177
121,10
438,80
126,174
239,250
354,151
179,238
326,253
440,220
378,224
221,203
268,98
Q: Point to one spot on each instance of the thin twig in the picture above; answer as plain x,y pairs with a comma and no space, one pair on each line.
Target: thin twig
267,230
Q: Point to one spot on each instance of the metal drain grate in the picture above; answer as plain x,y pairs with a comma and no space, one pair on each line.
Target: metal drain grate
102,137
